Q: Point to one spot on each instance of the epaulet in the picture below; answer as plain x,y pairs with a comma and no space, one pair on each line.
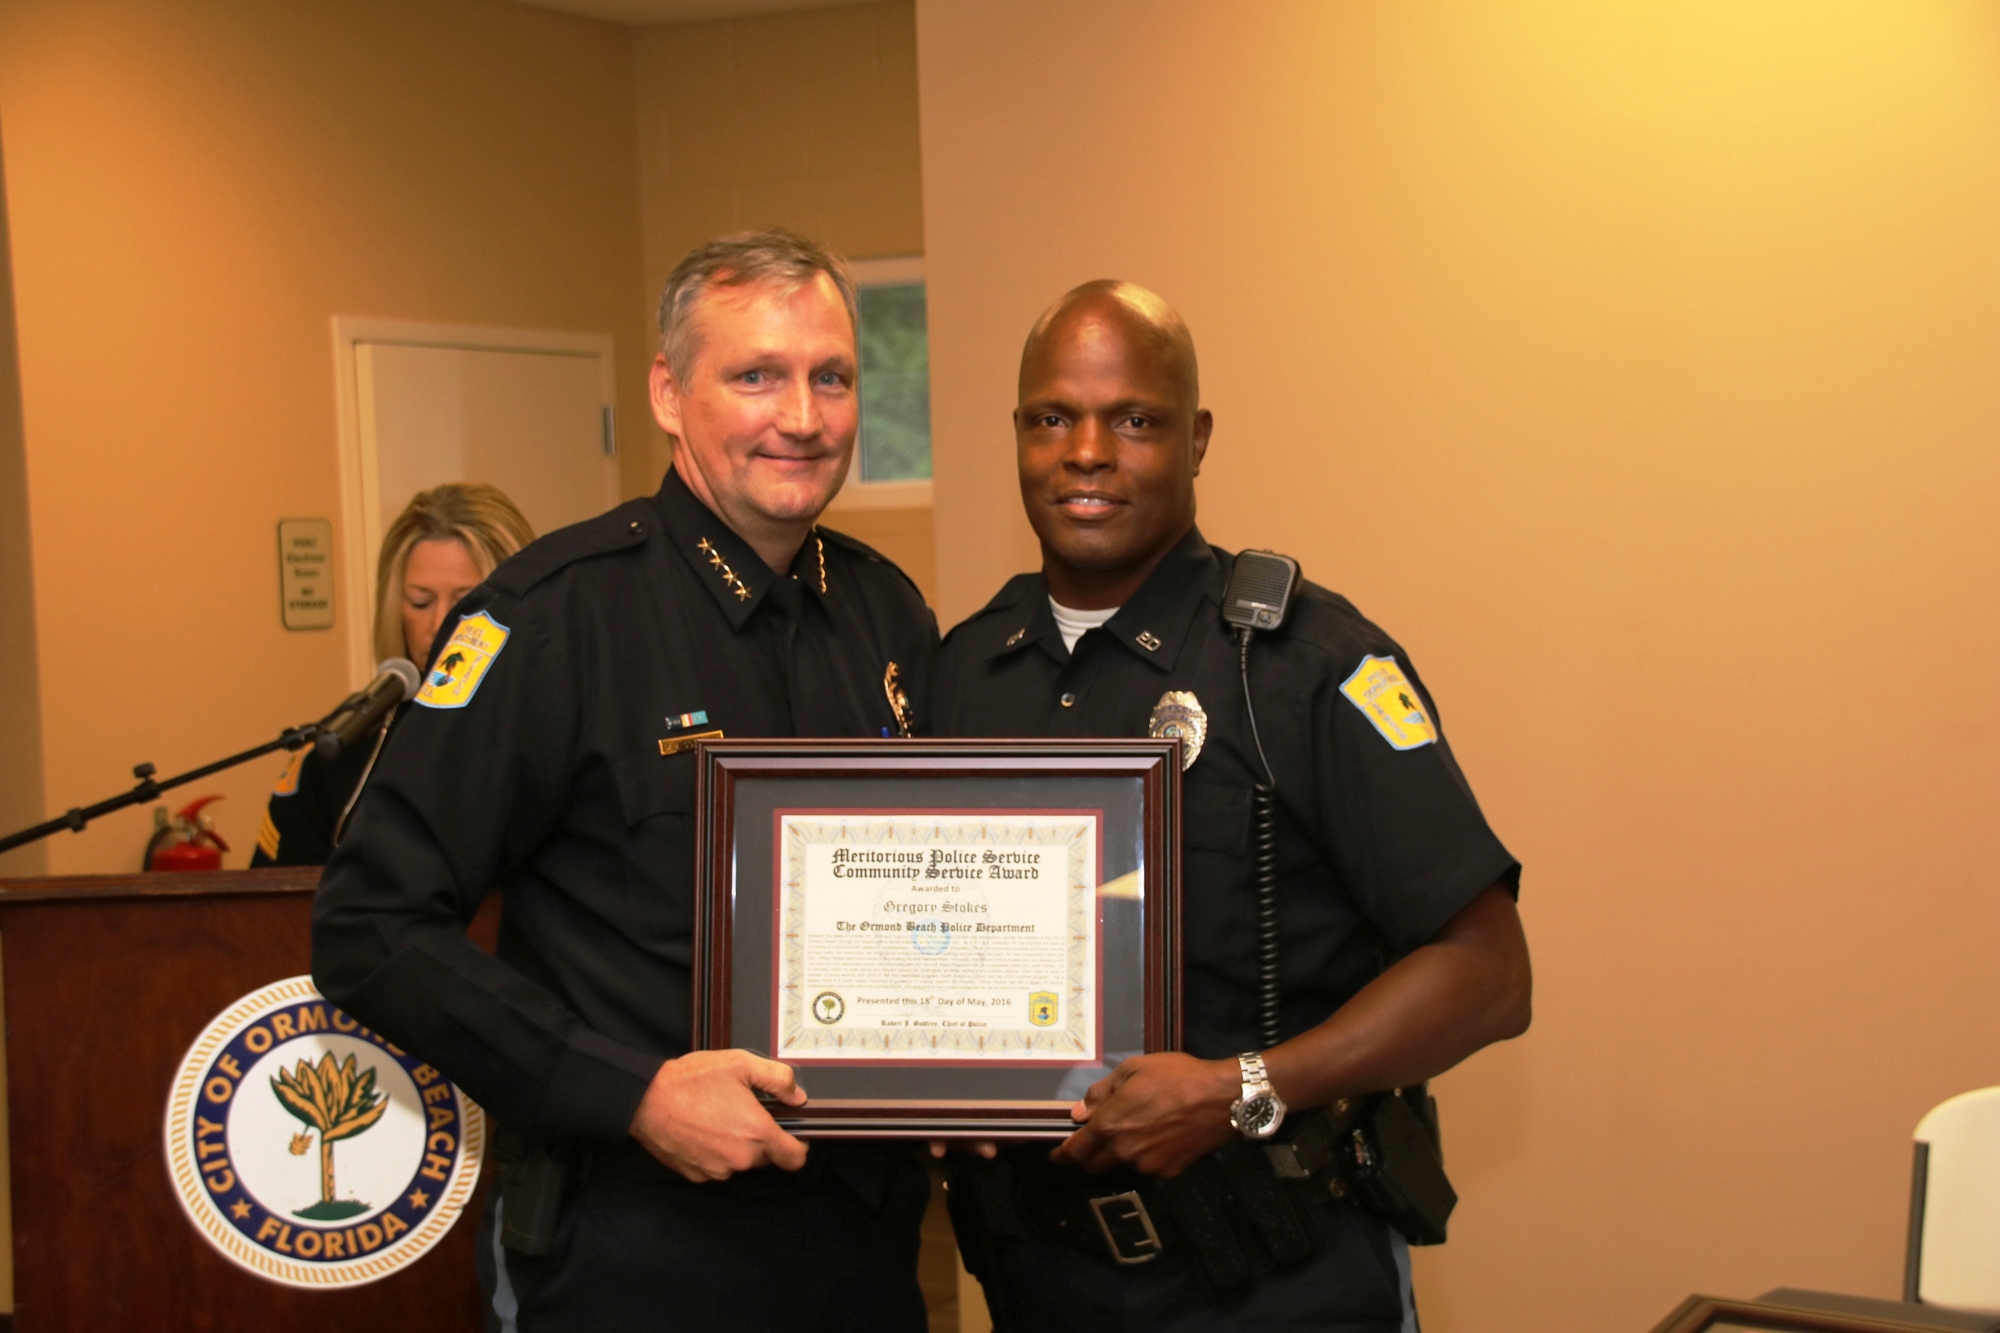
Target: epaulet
863,551
625,527
1011,595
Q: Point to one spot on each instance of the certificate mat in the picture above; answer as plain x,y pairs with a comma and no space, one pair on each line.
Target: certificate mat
841,887
937,937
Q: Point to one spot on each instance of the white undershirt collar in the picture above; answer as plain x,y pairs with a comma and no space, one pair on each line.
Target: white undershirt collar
1072,624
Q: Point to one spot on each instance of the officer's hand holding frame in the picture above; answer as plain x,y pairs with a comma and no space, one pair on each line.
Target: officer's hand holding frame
947,939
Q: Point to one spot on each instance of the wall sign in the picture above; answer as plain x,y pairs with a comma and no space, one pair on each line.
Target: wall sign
305,572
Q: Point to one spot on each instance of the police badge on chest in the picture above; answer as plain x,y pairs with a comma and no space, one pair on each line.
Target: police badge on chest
1179,716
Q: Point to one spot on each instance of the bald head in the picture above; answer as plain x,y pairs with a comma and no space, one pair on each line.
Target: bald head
1109,434
1110,308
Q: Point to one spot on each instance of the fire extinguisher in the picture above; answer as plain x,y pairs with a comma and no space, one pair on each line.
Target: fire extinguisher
188,841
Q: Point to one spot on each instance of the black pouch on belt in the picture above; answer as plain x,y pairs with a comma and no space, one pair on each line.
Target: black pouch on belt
532,1198
1388,1158
1275,1208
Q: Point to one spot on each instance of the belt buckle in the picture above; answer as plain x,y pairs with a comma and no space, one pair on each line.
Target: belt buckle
1134,1224
1285,1163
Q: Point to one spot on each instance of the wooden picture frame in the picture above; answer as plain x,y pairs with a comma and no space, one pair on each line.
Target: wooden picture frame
770,813
1714,1314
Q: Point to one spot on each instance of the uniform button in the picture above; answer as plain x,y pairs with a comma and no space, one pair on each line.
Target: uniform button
636,529
1069,701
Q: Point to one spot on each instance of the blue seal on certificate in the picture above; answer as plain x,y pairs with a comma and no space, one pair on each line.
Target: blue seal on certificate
930,936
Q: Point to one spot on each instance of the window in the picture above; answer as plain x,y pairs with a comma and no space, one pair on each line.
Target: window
895,372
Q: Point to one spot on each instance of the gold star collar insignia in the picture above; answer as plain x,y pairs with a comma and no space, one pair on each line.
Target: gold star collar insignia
729,579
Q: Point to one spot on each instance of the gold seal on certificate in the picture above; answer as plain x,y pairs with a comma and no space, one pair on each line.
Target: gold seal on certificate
950,938
945,938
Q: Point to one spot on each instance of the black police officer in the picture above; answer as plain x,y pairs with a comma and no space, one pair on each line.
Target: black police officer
550,752
1400,950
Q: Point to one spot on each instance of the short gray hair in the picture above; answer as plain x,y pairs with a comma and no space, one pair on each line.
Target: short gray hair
773,255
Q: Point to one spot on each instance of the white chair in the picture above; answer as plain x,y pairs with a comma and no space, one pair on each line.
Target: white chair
1954,1248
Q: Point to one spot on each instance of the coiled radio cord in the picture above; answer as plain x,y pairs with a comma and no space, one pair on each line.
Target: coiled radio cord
1264,862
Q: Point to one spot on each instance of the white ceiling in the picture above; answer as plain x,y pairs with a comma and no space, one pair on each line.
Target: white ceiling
677,11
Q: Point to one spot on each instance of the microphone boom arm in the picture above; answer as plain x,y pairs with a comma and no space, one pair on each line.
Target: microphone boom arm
149,789
395,680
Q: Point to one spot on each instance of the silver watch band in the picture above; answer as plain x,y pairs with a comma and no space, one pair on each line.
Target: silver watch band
1256,1079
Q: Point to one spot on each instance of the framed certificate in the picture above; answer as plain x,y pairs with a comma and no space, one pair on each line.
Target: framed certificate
944,938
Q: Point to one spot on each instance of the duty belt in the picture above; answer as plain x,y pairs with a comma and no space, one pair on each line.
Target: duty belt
1241,1211
1229,1212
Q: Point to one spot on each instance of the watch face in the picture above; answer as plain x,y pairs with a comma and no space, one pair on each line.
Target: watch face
1257,1116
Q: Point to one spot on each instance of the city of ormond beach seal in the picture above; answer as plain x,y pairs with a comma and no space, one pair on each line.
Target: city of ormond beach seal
310,1150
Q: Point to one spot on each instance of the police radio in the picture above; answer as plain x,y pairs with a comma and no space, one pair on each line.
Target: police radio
1260,591
1257,598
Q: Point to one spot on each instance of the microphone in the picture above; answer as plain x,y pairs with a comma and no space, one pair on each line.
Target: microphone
360,713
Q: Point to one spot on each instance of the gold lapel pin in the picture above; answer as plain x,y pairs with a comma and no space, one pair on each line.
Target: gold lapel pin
899,702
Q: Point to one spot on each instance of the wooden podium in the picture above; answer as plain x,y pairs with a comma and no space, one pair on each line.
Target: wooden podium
109,979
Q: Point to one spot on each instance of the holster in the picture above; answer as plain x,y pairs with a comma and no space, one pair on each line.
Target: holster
534,1177
1383,1152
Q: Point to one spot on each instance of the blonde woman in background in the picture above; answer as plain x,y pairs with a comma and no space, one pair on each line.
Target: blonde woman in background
441,547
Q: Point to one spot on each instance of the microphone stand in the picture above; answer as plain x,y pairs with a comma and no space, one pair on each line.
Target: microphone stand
148,789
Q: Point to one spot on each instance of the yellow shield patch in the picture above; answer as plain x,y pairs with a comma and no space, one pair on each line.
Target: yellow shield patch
1042,1008
1385,697
464,662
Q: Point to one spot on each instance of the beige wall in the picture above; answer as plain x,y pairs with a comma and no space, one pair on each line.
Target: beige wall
20,691
806,120
194,189
1634,365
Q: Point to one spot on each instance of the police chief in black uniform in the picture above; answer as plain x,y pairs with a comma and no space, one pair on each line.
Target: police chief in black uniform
550,752
1401,952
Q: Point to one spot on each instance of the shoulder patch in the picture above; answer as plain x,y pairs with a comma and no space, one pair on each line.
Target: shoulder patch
288,781
1386,698
464,662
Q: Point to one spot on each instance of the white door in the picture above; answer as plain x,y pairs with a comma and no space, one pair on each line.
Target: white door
527,412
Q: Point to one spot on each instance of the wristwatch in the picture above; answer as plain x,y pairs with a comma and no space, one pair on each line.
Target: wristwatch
1259,1111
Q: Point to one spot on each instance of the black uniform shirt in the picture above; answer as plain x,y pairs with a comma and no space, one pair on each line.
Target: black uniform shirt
305,806
550,782
1378,847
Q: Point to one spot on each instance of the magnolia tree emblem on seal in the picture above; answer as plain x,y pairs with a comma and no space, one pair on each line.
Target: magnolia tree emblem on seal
339,1103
